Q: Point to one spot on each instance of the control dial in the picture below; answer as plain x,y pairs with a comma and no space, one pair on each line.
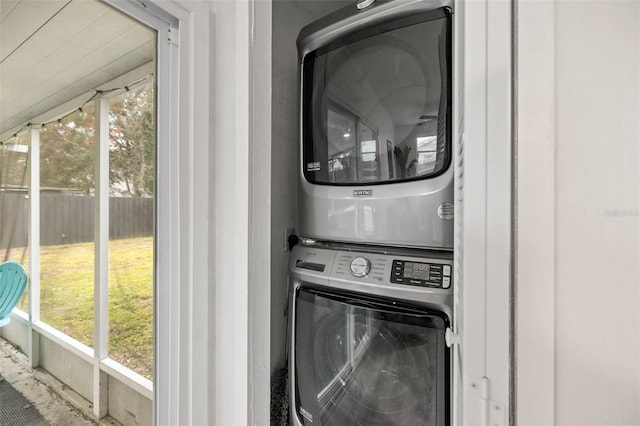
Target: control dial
360,267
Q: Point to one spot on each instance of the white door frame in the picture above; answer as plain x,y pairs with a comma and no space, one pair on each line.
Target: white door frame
485,223
180,376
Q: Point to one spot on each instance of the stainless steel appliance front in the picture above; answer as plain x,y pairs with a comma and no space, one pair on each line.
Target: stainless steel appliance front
375,121
369,347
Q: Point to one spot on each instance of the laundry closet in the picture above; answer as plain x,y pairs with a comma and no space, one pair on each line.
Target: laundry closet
368,99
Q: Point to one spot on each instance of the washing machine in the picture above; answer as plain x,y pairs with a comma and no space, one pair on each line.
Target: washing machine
368,336
375,125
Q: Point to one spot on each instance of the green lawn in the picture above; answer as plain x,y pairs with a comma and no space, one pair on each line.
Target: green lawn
66,297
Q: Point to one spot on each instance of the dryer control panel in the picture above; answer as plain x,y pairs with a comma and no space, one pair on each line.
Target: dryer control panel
421,274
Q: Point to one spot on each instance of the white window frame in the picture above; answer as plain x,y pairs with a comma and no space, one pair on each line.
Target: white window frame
171,22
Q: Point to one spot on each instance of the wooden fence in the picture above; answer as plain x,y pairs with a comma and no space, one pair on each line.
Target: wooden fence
68,219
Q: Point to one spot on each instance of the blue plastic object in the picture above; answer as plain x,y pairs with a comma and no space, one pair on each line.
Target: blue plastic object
13,280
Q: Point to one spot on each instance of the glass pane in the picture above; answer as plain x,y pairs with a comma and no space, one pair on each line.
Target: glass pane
391,89
67,163
368,139
341,134
367,364
131,217
14,204
427,153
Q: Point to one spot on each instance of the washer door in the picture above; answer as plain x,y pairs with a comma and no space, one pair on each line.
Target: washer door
362,361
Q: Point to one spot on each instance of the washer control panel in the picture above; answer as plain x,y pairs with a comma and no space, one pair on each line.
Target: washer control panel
381,268
421,277
422,274
365,266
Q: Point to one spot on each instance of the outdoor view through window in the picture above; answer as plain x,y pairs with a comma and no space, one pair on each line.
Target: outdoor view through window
14,214
50,118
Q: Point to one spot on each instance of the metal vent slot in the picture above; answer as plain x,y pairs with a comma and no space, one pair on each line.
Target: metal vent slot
309,265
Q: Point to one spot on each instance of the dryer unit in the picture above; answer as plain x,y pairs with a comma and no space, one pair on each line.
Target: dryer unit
375,120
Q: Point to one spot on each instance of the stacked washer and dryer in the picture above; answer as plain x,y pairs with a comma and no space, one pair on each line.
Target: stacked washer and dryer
371,279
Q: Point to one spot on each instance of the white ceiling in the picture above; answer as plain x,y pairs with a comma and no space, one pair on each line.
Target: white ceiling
52,51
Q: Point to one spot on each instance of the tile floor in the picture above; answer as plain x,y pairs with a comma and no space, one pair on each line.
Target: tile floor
51,406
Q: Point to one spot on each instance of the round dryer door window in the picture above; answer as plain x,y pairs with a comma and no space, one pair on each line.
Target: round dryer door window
364,362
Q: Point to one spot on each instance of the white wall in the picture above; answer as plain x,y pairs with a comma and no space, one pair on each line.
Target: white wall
288,19
240,169
535,201
578,122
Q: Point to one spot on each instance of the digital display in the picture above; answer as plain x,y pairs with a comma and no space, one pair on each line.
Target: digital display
416,271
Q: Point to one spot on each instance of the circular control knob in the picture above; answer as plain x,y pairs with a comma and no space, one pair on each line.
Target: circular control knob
360,267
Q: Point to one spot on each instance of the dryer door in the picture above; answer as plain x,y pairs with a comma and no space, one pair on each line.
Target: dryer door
363,361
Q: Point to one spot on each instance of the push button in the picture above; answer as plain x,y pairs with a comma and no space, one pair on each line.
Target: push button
446,282
446,270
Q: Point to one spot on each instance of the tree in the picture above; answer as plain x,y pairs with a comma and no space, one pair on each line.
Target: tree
67,148
67,153
132,143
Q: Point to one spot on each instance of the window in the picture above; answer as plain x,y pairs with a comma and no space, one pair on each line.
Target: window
14,203
427,152
352,147
70,81
131,219
67,200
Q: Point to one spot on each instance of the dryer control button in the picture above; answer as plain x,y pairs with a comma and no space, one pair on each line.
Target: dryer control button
446,270
446,282
360,267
